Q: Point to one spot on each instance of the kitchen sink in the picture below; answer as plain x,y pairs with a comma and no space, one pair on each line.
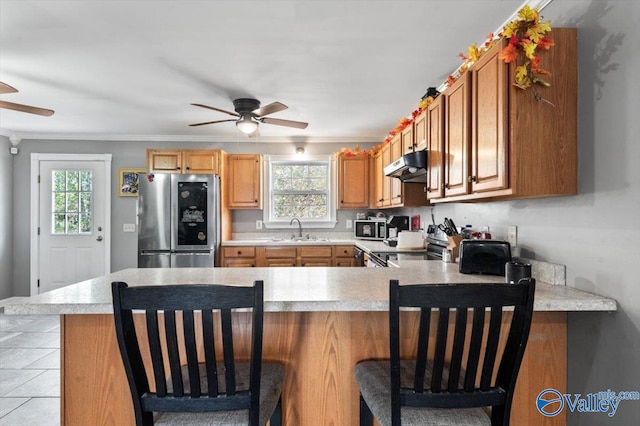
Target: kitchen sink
298,240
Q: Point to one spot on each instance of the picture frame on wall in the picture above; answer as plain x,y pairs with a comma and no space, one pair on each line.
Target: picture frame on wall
128,181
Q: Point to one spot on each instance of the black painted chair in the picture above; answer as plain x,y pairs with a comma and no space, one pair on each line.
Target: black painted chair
213,391
452,382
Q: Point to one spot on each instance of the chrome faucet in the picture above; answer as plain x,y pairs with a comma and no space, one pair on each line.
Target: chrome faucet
299,226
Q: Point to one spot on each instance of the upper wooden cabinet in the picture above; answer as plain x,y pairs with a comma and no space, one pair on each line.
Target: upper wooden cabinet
353,182
244,181
377,177
420,127
396,148
457,136
502,142
408,142
183,161
434,143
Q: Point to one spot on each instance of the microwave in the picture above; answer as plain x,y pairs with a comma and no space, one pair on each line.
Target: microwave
370,229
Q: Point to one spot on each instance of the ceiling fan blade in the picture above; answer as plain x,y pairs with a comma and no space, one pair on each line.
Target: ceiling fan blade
287,123
235,114
5,88
270,109
26,108
211,122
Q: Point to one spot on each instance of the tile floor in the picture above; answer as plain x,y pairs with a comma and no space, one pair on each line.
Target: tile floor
29,370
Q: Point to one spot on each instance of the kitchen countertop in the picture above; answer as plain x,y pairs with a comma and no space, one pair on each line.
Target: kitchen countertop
297,289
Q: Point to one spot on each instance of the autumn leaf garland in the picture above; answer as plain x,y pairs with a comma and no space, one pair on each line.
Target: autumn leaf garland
527,37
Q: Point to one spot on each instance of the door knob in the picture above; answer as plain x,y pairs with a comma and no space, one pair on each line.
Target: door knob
99,238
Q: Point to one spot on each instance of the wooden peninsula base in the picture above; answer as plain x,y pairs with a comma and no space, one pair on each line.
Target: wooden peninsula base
320,350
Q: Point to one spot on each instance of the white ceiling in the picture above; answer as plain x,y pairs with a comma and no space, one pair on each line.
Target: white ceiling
130,69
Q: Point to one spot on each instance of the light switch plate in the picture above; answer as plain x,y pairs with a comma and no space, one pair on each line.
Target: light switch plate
258,224
349,223
128,227
512,235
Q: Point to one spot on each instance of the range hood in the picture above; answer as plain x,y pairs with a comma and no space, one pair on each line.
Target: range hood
409,168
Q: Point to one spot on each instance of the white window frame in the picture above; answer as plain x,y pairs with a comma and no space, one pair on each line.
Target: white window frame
267,213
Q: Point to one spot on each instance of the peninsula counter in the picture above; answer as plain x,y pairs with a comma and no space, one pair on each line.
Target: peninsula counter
318,321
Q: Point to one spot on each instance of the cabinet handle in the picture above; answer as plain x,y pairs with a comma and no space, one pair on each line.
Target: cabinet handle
255,201
239,252
345,252
428,189
446,185
341,201
177,168
381,200
471,179
188,168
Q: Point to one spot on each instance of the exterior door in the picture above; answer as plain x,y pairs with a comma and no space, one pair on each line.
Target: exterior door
73,229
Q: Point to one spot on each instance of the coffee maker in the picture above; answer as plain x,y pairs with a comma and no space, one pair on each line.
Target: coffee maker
395,224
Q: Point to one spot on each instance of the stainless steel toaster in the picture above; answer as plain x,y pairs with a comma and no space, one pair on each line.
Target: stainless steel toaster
487,257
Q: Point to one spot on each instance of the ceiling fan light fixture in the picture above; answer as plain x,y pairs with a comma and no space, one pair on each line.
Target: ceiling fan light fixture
247,125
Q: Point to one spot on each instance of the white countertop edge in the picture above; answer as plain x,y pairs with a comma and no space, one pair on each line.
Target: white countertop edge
304,306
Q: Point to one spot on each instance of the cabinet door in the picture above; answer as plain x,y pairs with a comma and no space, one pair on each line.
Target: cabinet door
396,191
386,180
408,143
239,263
201,161
164,161
245,181
435,145
238,257
377,178
312,261
420,131
353,182
343,256
489,134
396,148
457,137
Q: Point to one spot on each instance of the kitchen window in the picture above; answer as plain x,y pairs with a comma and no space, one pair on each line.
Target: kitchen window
301,188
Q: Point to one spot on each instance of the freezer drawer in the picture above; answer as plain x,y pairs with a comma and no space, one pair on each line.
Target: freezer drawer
192,259
150,259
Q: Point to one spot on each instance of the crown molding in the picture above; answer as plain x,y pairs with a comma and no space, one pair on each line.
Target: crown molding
187,138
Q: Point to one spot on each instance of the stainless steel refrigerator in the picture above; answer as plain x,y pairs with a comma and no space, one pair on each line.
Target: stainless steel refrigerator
178,221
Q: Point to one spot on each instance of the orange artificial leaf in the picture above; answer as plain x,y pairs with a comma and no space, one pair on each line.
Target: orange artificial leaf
546,43
450,80
535,61
509,53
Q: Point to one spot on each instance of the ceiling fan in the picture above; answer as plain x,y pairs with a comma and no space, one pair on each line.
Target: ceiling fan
250,115
5,88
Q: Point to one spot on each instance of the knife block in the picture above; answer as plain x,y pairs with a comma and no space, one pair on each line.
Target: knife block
454,246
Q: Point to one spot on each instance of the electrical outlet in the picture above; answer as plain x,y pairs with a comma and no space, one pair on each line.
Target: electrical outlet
128,227
349,223
258,224
512,235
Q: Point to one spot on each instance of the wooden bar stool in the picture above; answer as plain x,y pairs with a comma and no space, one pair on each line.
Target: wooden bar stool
181,322
451,382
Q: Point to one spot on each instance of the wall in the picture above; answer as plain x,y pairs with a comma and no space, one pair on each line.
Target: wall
6,219
596,233
125,154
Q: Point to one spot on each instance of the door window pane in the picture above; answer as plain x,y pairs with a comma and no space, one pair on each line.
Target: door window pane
72,202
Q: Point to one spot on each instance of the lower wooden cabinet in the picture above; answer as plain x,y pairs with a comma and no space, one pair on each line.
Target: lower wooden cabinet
343,256
315,256
287,256
238,257
280,256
